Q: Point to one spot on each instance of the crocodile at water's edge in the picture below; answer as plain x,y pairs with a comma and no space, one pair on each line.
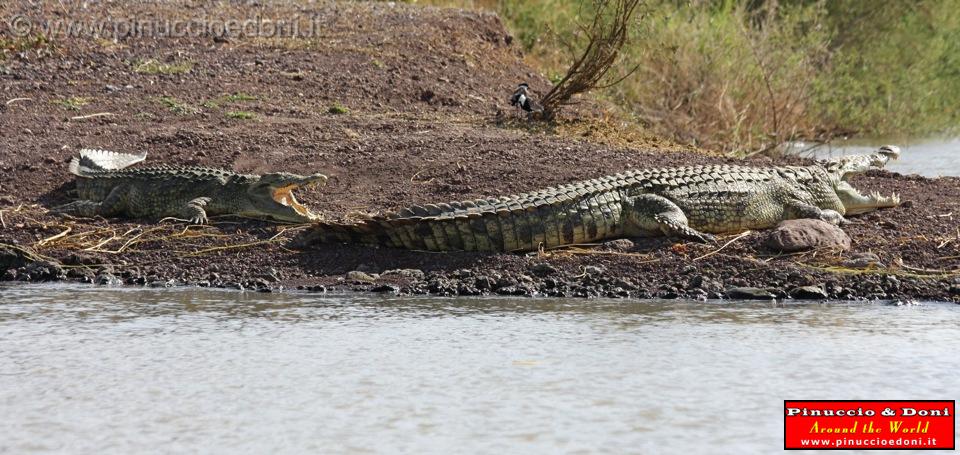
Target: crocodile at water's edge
685,202
107,188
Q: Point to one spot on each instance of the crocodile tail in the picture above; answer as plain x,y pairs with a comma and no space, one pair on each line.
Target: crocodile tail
506,224
92,161
368,232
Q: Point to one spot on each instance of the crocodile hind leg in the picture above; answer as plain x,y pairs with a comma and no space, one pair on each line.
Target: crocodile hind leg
650,213
111,205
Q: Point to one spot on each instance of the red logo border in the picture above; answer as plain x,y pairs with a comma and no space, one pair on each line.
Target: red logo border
953,433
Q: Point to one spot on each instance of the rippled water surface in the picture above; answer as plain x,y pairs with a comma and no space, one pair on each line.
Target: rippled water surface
89,370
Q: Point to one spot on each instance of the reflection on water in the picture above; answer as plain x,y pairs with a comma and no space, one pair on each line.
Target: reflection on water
930,158
86,370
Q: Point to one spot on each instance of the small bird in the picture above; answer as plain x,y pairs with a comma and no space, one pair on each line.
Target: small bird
522,100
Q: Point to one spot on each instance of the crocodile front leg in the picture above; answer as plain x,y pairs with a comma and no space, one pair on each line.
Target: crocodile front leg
194,211
113,204
650,213
798,209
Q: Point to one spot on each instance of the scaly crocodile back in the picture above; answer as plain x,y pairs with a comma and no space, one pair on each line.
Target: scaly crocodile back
92,160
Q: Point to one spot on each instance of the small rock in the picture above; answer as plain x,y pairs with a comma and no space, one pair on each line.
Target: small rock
386,288
414,274
806,234
624,284
863,261
809,293
484,283
79,258
10,258
107,279
748,293
111,88
593,270
543,269
258,283
955,289
889,224
696,282
271,275
316,288
45,271
463,273
618,245
364,277
84,275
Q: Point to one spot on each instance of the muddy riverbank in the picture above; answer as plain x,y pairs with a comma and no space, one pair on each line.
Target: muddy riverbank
394,121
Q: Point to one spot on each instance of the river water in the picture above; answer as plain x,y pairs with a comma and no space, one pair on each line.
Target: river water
96,370
933,157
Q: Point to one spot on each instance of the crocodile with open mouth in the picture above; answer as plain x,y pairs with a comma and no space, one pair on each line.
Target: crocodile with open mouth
106,187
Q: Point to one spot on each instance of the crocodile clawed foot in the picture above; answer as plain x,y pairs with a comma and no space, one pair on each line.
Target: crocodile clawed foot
200,218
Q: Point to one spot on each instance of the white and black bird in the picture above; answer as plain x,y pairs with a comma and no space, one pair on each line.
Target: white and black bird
522,100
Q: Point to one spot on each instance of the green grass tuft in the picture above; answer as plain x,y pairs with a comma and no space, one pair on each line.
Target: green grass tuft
338,109
176,106
241,115
237,97
73,103
38,42
153,66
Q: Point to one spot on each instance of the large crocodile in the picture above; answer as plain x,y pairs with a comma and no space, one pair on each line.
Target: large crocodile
685,202
107,187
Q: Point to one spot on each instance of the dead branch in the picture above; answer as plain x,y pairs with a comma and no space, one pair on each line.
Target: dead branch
606,35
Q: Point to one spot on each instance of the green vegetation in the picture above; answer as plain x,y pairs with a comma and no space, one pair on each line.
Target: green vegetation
338,109
153,66
745,75
14,45
177,107
73,103
241,115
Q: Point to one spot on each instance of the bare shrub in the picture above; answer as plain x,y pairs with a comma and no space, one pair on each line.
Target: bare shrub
605,37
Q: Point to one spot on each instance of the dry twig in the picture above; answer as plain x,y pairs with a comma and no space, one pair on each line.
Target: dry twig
742,235
606,35
99,114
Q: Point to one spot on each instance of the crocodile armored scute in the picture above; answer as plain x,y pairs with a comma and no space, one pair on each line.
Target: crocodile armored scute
690,202
108,186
